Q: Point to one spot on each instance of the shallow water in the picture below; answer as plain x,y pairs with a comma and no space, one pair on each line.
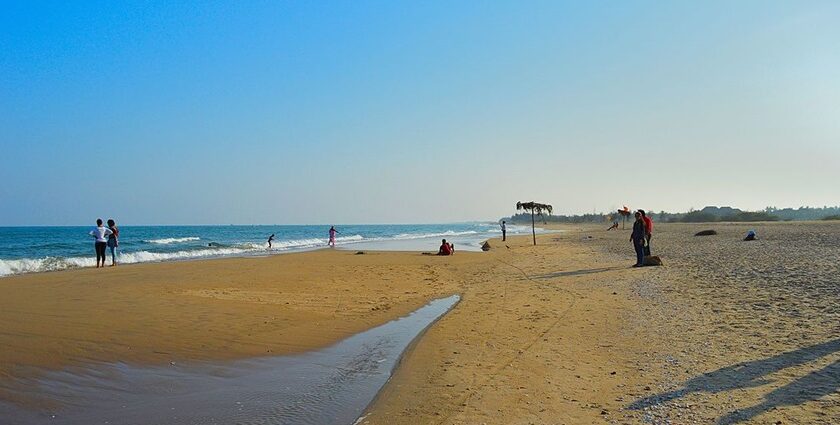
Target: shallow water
333,385
40,249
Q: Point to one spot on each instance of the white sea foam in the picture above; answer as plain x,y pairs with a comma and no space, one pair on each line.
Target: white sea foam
167,241
30,265
50,263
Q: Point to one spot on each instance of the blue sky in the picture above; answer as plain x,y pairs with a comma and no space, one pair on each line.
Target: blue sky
366,112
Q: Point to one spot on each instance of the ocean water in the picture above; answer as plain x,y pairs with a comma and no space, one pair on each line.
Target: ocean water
39,249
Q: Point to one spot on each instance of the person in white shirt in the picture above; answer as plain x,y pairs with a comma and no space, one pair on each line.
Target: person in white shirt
100,233
504,231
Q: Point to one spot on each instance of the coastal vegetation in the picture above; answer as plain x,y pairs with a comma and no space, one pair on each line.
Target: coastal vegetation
708,214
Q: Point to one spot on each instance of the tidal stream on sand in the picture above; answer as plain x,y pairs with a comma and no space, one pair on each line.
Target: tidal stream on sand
332,385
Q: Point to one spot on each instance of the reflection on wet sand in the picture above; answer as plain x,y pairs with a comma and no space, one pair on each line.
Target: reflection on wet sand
332,385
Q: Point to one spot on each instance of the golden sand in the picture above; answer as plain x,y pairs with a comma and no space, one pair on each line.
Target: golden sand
564,332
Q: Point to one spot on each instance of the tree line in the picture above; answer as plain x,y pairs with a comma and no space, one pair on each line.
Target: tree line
705,215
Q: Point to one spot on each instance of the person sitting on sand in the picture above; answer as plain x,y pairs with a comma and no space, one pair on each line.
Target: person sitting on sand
751,236
614,226
452,249
332,236
445,248
270,238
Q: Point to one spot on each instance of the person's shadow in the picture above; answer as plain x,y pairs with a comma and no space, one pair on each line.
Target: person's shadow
812,386
753,374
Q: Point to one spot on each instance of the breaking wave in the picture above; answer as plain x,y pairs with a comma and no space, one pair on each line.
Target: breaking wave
167,241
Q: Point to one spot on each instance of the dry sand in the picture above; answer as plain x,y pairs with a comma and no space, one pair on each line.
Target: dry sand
726,332
565,332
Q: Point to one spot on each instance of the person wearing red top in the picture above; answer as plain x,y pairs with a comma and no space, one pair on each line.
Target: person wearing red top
648,229
445,249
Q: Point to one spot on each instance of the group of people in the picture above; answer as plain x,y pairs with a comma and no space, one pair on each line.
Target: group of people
105,237
642,232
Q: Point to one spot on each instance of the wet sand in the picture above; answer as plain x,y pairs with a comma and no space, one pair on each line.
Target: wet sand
565,332
327,386
221,309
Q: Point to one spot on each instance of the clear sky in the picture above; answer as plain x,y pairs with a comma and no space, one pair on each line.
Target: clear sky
393,112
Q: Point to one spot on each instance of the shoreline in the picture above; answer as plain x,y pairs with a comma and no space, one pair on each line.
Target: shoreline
63,249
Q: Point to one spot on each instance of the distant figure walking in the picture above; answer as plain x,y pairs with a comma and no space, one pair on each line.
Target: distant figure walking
332,236
638,239
270,238
113,240
100,235
445,248
504,231
648,229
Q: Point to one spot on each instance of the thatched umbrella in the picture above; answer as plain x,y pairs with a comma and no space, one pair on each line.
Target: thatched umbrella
535,209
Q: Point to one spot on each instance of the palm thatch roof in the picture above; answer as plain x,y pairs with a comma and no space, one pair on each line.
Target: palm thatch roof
536,207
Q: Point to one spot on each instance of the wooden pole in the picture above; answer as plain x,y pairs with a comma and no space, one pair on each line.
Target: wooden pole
533,231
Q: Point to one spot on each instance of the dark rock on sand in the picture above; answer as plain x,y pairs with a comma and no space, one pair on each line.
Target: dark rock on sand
705,233
652,260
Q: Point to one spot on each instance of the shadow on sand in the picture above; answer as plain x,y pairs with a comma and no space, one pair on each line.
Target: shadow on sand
575,273
753,374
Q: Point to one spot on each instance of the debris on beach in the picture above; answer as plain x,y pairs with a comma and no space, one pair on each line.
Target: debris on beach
705,233
652,260
485,246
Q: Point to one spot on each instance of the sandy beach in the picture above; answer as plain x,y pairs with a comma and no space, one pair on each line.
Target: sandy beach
565,332
726,332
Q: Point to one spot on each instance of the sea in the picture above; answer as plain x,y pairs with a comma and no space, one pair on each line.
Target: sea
42,249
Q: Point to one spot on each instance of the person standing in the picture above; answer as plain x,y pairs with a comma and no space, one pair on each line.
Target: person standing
100,234
332,236
638,239
504,231
270,239
113,241
649,229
